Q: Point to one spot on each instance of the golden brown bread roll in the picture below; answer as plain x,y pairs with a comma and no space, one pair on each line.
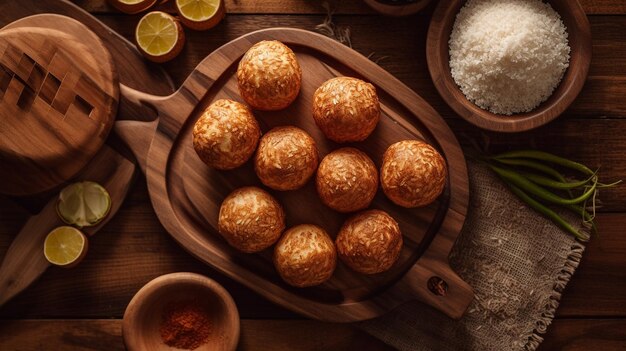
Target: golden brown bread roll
305,256
413,173
347,180
250,219
226,134
346,109
369,242
286,158
269,76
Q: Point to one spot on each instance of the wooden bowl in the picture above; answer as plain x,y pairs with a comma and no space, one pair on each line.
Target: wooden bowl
437,54
144,313
390,9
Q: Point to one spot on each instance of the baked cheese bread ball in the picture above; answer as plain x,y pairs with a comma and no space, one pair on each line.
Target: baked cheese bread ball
346,109
305,256
269,76
226,134
250,219
369,242
413,173
347,180
286,158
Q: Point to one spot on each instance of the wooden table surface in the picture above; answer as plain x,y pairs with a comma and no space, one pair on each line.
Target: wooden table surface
80,309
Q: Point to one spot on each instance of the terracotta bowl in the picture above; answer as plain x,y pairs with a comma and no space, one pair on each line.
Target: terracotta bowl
579,36
144,313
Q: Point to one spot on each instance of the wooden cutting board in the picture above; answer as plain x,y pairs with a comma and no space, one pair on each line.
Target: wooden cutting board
186,194
58,100
112,166
133,70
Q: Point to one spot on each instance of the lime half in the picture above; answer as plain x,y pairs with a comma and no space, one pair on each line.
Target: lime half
83,204
65,246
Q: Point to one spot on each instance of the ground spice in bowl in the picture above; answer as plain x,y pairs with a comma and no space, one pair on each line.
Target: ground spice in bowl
185,325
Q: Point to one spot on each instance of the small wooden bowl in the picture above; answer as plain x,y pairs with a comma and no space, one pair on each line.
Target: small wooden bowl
143,315
397,10
437,55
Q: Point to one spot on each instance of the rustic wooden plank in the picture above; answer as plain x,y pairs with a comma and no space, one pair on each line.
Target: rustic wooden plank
127,253
133,249
589,141
603,7
105,334
404,56
598,287
353,7
584,335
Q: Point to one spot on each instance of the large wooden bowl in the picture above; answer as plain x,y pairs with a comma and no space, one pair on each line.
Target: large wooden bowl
143,316
437,54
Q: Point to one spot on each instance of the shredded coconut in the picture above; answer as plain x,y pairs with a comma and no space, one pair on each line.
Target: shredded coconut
508,56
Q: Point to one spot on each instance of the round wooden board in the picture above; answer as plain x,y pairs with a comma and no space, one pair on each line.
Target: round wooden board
186,194
58,99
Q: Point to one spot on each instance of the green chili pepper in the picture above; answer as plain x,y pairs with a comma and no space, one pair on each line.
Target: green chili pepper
534,204
547,157
536,190
545,181
533,165
587,217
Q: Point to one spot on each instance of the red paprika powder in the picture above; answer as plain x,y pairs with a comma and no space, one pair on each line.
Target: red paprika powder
185,325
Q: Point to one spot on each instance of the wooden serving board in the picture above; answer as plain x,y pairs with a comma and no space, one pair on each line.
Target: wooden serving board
112,166
186,194
58,100
132,68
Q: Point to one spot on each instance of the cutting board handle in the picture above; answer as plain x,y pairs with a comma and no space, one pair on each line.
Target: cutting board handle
437,285
432,280
167,114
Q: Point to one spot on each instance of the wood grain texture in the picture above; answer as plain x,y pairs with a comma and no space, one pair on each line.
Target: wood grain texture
103,284
187,194
349,7
579,41
58,101
251,7
105,335
586,334
143,316
602,95
24,260
397,10
133,70
579,133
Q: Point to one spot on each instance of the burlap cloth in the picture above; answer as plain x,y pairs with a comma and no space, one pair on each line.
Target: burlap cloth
518,263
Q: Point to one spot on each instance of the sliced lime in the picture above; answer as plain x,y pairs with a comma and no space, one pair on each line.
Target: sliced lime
83,204
65,246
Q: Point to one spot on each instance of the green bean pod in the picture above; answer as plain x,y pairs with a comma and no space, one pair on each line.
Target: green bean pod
536,190
547,157
532,165
553,216
545,181
586,216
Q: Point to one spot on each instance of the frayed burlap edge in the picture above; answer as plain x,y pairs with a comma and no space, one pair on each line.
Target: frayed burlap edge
546,318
